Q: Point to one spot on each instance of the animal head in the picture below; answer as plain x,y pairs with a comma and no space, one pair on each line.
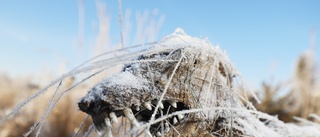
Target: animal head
169,78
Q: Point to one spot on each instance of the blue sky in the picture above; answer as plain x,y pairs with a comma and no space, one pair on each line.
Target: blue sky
263,39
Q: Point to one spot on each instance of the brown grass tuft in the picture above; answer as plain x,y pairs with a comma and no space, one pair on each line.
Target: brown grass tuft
64,120
302,98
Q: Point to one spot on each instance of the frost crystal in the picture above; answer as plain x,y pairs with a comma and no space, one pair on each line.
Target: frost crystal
190,83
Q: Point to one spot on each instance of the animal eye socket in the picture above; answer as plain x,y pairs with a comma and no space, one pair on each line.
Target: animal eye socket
165,53
195,62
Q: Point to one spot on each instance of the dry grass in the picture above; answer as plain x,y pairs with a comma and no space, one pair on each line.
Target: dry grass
64,120
9,96
303,96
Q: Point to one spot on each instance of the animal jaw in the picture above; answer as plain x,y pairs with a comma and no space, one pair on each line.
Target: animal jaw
188,77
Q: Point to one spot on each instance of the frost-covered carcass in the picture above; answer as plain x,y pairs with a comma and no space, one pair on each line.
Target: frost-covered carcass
181,86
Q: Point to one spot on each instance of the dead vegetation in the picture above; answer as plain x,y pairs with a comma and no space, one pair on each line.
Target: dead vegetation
63,121
222,115
302,96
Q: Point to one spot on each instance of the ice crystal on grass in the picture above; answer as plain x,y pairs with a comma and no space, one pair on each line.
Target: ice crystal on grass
200,78
180,85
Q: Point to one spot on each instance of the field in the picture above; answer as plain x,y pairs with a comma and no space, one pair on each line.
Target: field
45,114
178,86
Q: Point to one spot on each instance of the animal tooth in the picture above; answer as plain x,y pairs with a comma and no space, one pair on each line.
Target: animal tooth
180,116
172,103
108,127
147,105
113,117
175,121
129,114
160,104
166,127
137,108
99,132
147,133
158,134
107,122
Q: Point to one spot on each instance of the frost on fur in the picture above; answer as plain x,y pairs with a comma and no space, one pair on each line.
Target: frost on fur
178,74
